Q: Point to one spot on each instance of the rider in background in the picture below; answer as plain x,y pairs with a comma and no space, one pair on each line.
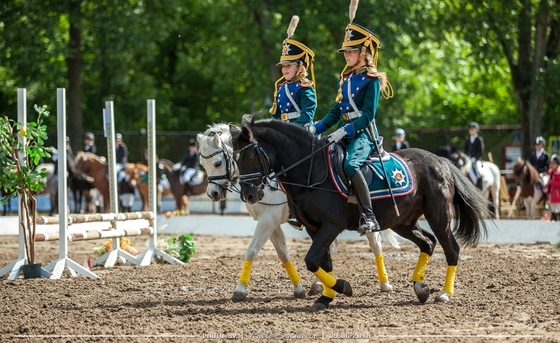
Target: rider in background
539,157
89,143
121,153
474,148
69,157
355,109
188,166
294,98
400,142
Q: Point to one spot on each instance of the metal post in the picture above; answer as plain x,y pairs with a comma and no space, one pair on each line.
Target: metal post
152,251
63,262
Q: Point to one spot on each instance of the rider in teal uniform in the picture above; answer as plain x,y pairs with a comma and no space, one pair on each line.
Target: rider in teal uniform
294,95
355,109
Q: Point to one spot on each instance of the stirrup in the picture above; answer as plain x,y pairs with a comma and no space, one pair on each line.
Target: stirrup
368,225
295,224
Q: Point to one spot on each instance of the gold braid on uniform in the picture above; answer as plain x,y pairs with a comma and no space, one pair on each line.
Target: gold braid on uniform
339,96
273,107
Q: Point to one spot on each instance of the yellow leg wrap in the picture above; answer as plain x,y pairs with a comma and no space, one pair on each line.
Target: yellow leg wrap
418,274
381,272
292,273
329,292
246,272
450,280
326,278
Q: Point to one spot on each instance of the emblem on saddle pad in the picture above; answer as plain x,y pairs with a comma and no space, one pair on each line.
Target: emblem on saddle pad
400,178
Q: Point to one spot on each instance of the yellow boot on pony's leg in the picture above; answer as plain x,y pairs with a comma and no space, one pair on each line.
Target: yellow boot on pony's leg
420,288
448,288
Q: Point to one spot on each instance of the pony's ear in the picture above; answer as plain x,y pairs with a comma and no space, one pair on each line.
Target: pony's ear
234,130
199,138
216,141
246,133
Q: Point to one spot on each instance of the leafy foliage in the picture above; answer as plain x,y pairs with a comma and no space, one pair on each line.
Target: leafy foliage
181,247
21,150
450,61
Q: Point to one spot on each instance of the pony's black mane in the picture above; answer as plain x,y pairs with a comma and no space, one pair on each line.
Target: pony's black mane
293,133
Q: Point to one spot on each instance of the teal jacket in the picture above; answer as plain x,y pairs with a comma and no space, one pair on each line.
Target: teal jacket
366,100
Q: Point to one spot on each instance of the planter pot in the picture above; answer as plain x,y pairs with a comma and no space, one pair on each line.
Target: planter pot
32,271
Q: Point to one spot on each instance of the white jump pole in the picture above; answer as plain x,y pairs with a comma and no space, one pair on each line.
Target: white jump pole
14,268
110,257
63,262
146,256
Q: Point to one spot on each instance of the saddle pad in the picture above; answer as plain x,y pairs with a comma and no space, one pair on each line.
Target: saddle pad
400,178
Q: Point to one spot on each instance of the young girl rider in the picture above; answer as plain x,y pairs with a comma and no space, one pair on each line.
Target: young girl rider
355,109
294,95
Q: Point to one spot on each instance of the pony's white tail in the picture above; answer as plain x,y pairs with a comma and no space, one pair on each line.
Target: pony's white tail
392,238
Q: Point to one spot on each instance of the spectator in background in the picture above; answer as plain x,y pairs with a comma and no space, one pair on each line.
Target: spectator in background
539,157
399,138
89,143
553,188
474,148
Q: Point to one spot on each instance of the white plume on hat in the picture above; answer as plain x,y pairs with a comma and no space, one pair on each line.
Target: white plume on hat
292,26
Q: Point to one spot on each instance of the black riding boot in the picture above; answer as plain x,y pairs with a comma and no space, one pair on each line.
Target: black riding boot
188,189
294,222
554,217
368,222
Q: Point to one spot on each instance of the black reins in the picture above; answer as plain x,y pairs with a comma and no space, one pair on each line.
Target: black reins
267,173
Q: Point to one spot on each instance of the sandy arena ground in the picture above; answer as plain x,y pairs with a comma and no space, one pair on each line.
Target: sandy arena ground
508,293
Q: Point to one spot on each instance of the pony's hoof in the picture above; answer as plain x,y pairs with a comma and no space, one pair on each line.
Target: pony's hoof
347,290
315,289
238,296
321,304
422,291
385,287
299,291
442,297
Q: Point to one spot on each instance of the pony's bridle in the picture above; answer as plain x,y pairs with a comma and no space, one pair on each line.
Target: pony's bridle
263,177
230,166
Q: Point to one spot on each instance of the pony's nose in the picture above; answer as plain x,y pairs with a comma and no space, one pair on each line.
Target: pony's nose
214,195
251,199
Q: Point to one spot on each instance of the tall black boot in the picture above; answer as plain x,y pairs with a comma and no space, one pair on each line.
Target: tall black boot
368,223
294,222
188,189
555,216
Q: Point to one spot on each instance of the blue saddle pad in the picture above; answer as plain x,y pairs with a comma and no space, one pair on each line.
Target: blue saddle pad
398,173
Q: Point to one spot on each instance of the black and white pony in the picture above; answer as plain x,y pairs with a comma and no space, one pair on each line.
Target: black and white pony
270,212
436,190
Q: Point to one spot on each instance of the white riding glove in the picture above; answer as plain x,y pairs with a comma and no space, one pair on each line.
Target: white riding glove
338,135
311,128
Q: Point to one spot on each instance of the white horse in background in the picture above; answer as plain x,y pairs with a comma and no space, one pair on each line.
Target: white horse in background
216,157
489,173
